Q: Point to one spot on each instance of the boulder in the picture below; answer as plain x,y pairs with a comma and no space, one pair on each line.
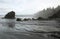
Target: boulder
10,15
18,19
26,19
39,18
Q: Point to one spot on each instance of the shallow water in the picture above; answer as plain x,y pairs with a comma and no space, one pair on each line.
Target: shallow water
12,29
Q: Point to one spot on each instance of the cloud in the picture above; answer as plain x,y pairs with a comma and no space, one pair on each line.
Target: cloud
27,6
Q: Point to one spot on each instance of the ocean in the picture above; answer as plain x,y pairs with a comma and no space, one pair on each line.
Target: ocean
34,29
20,16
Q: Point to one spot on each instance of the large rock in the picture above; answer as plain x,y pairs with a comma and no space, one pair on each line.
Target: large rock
10,15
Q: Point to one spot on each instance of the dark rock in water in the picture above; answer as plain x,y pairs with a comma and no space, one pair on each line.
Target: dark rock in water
26,19
18,19
39,18
33,19
10,15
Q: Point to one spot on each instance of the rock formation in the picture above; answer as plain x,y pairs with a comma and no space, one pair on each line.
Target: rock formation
10,15
18,19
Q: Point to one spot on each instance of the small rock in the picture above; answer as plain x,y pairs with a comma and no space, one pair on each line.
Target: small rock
18,19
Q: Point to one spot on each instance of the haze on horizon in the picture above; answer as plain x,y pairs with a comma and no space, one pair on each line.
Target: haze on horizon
26,7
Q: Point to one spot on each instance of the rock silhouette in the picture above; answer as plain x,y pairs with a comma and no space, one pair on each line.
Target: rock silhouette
10,15
39,18
18,19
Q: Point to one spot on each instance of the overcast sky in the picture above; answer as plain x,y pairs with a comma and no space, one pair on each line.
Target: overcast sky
23,7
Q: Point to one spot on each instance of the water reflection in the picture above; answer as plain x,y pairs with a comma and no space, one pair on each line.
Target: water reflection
10,22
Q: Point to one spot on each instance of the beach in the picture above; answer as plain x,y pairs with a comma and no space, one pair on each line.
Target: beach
12,29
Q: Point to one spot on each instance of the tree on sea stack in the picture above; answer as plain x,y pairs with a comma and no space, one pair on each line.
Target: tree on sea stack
10,15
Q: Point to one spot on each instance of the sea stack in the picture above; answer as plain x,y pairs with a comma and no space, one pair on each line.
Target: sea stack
10,15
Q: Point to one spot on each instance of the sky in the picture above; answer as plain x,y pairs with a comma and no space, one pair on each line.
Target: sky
26,7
